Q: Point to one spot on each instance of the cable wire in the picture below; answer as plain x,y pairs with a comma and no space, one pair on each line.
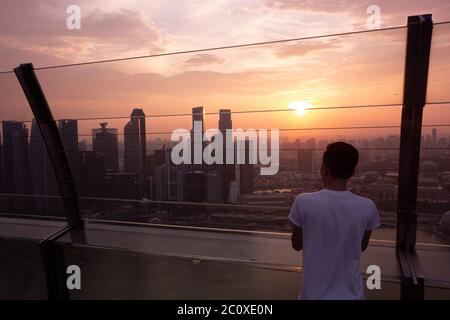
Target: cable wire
269,110
235,46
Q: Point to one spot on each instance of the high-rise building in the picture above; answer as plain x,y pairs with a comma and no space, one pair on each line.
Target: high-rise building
228,170
214,182
16,163
135,148
194,188
43,178
161,183
247,170
196,144
225,121
175,178
434,137
16,157
154,163
68,130
105,142
92,174
198,115
235,186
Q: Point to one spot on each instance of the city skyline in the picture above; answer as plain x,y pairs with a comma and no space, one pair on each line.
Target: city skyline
226,149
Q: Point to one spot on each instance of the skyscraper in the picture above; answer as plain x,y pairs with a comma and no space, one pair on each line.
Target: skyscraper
434,137
197,115
135,140
157,175
195,186
16,157
105,142
43,179
225,121
227,170
92,174
68,130
196,144
16,164
247,170
215,186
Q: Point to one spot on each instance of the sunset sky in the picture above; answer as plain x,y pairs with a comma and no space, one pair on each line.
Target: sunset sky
335,71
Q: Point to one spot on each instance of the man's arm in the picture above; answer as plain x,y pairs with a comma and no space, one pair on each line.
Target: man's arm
365,241
297,238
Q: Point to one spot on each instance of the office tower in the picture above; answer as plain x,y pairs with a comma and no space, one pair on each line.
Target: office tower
68,129
159,171
194,189
156,182
215,186
175,178
197,116
434,137
235,186
225,124
43,179
105,142
225,121
247,170
16,157
161,182
135,148
92,173
16,164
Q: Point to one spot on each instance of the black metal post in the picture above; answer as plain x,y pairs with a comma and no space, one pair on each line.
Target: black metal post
52,256
415,88
52,140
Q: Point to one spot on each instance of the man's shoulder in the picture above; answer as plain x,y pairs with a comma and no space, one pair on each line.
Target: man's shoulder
308,195
363,200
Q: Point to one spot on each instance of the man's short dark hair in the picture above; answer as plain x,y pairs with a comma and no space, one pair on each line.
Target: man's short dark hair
341,159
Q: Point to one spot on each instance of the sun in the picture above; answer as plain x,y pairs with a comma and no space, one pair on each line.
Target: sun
301,107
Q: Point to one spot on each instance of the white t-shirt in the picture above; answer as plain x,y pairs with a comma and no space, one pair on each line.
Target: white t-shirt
333,223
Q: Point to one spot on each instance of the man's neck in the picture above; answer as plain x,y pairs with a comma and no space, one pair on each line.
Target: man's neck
336,185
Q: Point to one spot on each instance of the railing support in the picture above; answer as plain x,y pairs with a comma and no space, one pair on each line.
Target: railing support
52,140
415,88
52,257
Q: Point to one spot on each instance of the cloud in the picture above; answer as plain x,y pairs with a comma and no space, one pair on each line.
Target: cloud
311,5
393,13
203,59
41,29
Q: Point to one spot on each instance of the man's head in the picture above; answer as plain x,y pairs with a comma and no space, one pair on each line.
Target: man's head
339,162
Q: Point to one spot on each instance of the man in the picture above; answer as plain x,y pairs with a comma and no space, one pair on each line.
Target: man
333,227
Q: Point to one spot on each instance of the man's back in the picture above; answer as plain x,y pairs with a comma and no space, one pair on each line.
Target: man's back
333,224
